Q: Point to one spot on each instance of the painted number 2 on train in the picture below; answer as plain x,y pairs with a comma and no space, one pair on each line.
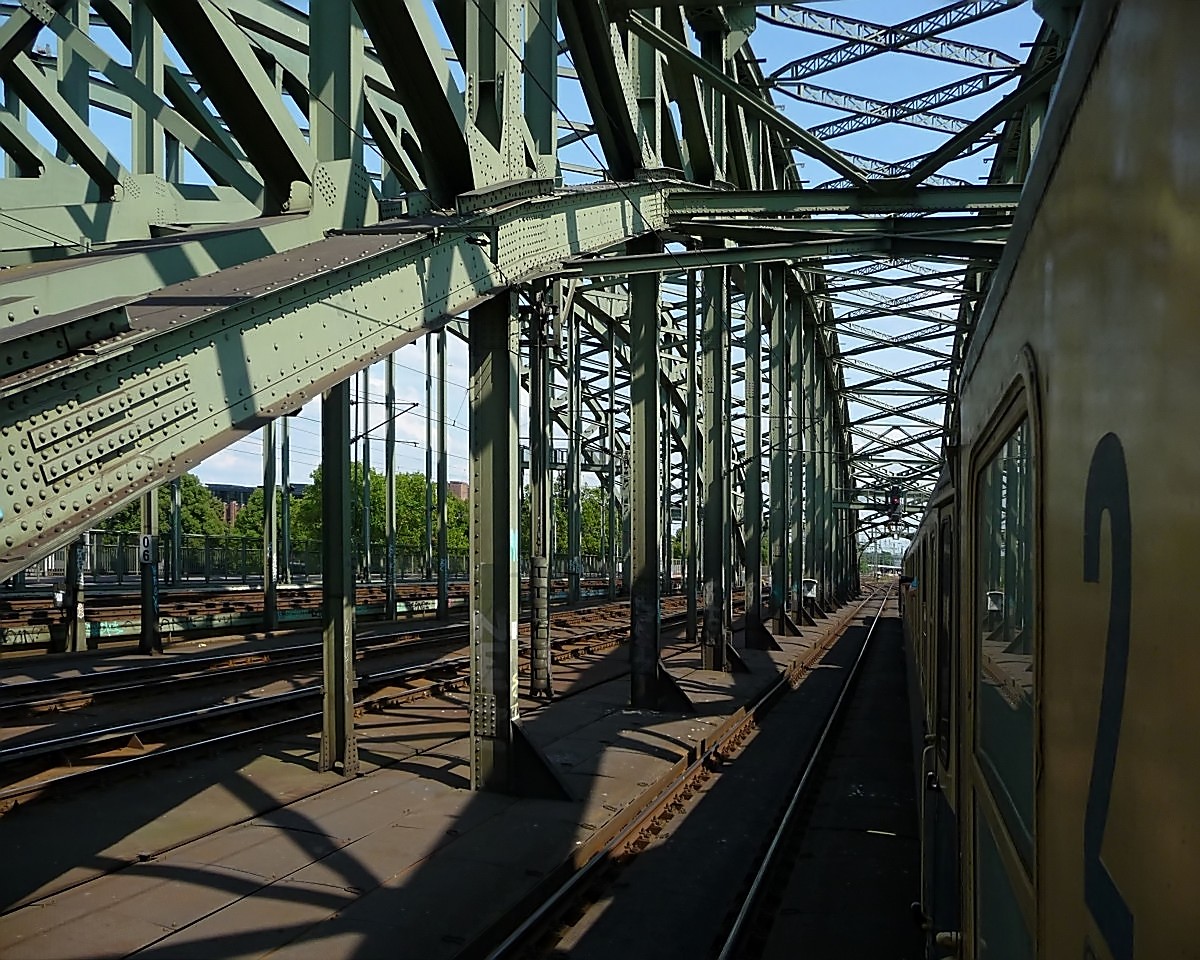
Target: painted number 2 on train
1108,492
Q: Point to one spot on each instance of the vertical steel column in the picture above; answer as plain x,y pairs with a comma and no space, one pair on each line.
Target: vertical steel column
841,516
443,481
714,342
74,82
811,441
814,440
493,92
827,400
780,437
389,493
389,469
664,500
626,526
285,499
726,468
541,82
645,63
610,426
493,346
574,440
541,550
752,498
822,558
339,751
77,638
173,161
644,495
691,514
798,336
15,108
428,456
334,112
364,381
151,637
146,48
712,49
270,566
176,531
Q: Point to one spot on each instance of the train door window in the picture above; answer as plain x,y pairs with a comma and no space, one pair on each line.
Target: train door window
1004,624
1000,930
945,635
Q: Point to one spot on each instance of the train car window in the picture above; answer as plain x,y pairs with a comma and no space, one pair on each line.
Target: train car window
945,637
1000,931
1004,625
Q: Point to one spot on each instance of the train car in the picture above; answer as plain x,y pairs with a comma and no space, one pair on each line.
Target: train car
1071,773
929,603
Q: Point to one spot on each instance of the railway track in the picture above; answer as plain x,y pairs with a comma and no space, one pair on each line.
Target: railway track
31,626
745,933
568,911
36,766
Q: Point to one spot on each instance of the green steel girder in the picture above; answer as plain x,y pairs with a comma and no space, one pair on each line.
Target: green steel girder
31,159
209,154
683,88
210,360
21,28
38,92
126,273
887,246
232,78
977,227
714,257
887,199
790,231
145,203
755,107
604,71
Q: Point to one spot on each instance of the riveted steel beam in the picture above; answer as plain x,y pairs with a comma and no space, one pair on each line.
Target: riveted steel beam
202,363
495,466
645,487
714,336
888,199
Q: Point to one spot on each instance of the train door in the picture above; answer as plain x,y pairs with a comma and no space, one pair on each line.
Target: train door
941,887
999,751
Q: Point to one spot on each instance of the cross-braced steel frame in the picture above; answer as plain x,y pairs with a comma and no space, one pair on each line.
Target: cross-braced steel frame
210,217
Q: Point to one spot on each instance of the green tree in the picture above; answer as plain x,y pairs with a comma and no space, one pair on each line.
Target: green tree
593,509
306,512
593,516
249,520
458,525
410,512
200,511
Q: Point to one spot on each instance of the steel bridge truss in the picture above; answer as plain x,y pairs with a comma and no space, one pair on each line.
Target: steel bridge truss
208,221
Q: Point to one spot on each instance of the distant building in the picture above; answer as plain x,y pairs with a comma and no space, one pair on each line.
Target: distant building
229,493
234,496
459,488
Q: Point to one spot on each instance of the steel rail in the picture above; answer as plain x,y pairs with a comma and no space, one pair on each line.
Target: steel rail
24,693
186,719
750,903
556,900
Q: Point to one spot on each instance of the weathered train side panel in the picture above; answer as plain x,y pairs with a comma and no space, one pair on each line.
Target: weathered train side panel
1104,294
